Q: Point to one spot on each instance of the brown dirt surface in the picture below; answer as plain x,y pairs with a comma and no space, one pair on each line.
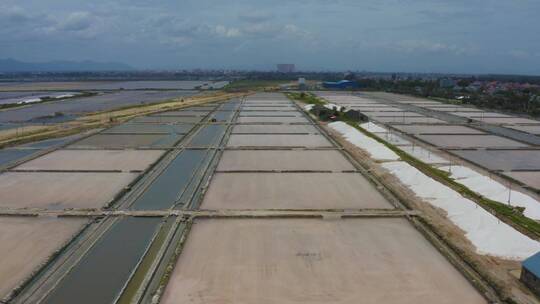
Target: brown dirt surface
292,191
267,160
73,160
278,140
313,261
60,190
26,243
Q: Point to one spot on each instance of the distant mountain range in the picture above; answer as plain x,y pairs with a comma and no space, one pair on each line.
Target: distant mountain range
12,65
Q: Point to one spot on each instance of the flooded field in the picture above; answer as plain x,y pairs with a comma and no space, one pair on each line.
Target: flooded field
268,160
394,114
505,160
269,108
453,109
167,119
266,102
271,113
272,120
278,140
529,178
94,160
534,129
223,116
82,105
108,85
274,129
30,97
27,242
471,141
176,183
479,115
292,191
410,120
377,109
436,129
129,128
106,268
51,143
208,135
311,260
60,190
184,113
111,141
11,155
8,156
509,120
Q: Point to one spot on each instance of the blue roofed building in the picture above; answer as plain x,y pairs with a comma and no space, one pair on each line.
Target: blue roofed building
530,273
340,85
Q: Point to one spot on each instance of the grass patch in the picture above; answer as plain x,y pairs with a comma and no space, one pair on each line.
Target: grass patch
506,213
304,97
246,85
138,277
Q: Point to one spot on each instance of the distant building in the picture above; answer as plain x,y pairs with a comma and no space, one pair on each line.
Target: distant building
302,84
340,85
285,68
530,273
447,83
355,115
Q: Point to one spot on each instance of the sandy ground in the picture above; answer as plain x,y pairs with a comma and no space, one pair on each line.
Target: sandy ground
60,190
292,191
272,119
262,129
278,140
25,243
471,141
436,129
530,178
313,261
20,131
284,160
74,160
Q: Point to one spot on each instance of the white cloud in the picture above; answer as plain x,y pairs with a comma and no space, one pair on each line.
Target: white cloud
76,22
255,16
425,46
519,54
227,32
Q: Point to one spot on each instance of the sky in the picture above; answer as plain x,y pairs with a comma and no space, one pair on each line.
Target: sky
448,36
